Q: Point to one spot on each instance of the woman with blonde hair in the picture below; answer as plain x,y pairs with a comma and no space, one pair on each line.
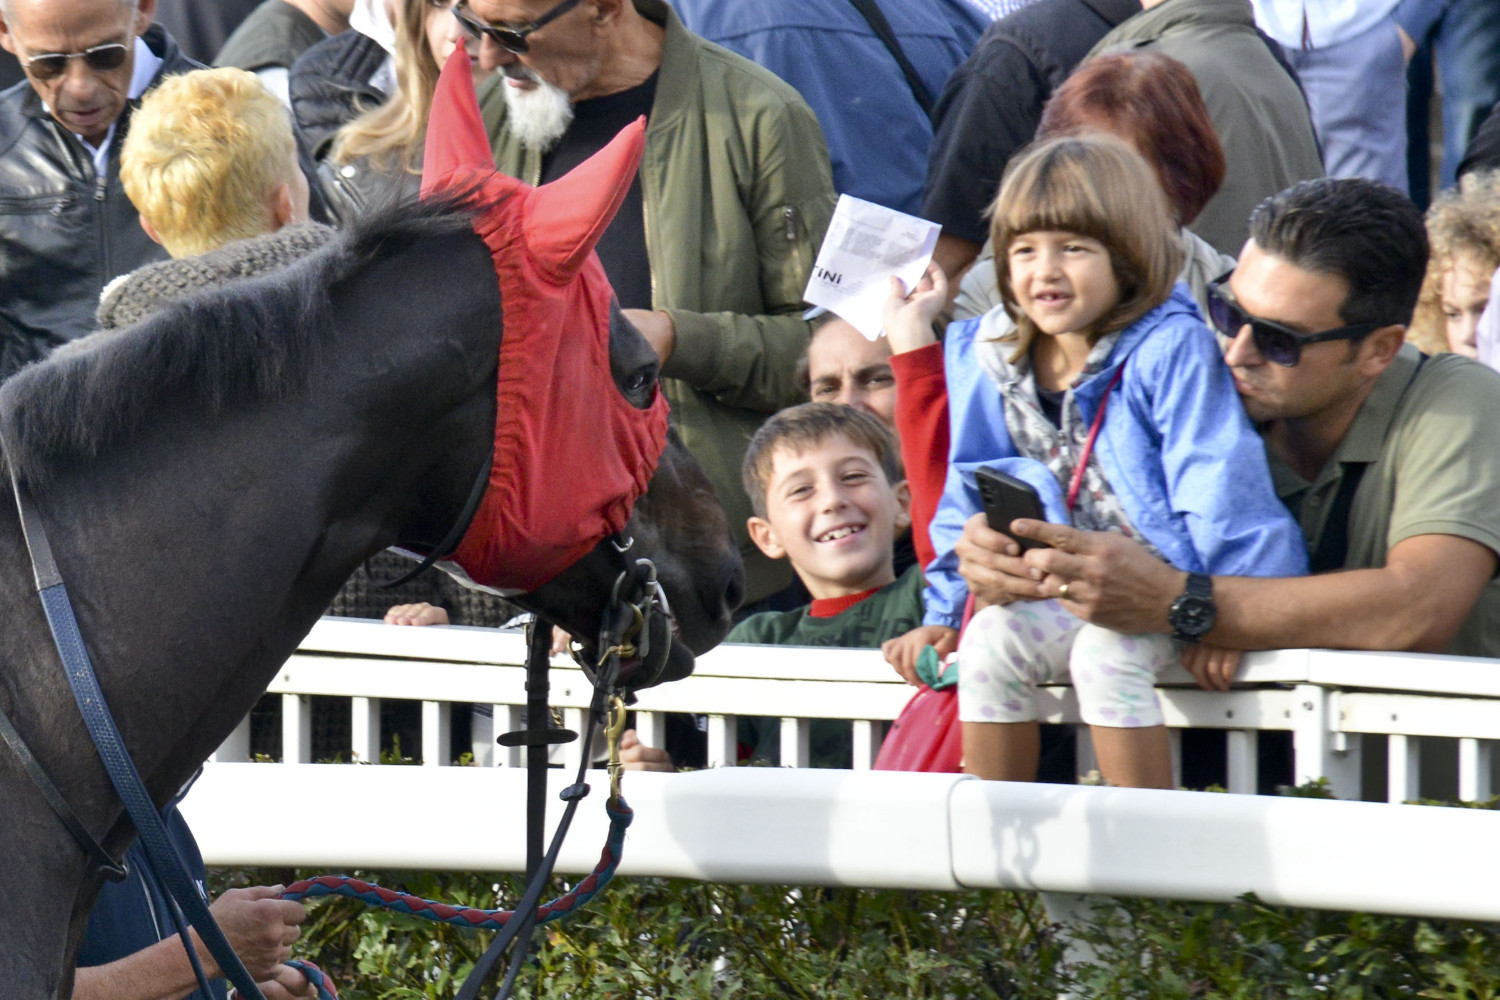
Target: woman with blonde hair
380,152
1463,226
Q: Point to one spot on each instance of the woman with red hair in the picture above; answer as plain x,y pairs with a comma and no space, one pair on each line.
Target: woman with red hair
1151,102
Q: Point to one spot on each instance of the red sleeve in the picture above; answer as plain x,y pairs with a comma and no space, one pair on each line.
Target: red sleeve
922,425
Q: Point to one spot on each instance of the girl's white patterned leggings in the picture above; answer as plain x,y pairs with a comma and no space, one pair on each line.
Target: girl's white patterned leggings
1009,649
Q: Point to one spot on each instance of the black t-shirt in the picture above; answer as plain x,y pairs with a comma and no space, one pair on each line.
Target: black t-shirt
992,104
622,248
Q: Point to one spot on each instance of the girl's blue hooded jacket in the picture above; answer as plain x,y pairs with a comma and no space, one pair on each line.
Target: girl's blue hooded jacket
1176,448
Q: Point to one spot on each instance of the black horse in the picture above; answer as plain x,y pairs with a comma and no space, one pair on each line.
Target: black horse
210,477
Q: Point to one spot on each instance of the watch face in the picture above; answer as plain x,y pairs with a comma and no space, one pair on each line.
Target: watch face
1193,615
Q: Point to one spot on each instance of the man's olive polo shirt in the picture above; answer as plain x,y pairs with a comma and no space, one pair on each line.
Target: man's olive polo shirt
1432,441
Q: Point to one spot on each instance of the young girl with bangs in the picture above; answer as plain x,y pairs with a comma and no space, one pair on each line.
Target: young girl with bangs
1111,398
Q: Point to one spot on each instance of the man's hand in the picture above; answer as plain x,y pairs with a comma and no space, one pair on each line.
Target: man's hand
416,614
991,563
1213,667
658,329
289,984
902,651
260,927
636,756
1110,579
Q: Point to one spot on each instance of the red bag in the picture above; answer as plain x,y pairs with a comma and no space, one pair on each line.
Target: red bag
926,736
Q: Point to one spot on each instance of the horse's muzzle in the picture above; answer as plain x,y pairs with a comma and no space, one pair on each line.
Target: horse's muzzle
665,658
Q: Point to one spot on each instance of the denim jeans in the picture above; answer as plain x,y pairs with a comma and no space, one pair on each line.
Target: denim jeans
1467,50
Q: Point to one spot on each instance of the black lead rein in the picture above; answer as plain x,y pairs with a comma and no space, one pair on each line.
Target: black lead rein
182,892
636,593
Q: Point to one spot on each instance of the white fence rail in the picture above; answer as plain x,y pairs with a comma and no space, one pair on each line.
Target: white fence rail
865,828
872,829
1328,700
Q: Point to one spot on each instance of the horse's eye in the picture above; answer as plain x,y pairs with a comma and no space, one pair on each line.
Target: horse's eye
640,381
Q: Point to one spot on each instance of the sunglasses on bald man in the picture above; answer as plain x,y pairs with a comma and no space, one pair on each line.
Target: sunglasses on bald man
99,58
512,40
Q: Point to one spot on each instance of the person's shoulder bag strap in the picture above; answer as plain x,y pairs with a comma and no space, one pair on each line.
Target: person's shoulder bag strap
882,29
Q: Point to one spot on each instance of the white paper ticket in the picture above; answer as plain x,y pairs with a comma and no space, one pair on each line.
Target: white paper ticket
867,244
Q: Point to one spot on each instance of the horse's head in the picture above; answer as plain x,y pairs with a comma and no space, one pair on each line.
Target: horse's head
677,526
592,506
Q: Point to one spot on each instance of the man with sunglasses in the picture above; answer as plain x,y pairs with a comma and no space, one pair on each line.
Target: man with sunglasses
66,226
710,253
1390,460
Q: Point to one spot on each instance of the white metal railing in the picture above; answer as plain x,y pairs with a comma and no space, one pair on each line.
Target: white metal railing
1328,700
810,826
804,826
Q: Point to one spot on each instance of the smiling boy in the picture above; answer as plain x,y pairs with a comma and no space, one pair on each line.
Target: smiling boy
823,480
827,495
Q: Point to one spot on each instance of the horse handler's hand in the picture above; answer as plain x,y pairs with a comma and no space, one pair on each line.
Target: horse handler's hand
991,563
289,984
1110,579
261,929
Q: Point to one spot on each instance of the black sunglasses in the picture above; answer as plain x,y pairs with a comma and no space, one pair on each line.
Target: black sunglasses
1275,342
100,58
512,40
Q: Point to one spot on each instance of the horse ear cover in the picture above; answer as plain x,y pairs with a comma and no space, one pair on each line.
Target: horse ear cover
571,453
563,220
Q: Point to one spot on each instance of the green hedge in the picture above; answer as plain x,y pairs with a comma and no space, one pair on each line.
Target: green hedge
680,939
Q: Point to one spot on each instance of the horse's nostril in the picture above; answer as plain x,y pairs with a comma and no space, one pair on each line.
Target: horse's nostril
734,590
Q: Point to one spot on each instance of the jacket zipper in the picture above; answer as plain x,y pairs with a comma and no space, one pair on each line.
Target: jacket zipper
646,236
101,191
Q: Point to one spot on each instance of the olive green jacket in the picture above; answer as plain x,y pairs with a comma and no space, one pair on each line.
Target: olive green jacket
737,192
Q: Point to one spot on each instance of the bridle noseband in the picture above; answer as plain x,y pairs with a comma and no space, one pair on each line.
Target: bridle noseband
635,601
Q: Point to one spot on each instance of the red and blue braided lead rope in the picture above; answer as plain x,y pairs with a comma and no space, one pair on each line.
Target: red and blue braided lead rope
467,917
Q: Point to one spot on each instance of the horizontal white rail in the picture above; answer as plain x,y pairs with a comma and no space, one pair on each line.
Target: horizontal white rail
1327,699
873,829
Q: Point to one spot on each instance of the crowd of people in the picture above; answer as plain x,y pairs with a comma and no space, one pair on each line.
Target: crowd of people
1182,292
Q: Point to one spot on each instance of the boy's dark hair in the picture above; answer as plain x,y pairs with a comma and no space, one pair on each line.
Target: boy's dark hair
1367,233
806,426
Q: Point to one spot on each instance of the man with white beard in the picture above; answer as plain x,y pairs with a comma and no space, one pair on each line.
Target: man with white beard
710,252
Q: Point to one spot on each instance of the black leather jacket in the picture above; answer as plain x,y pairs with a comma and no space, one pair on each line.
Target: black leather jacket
330,86
64,231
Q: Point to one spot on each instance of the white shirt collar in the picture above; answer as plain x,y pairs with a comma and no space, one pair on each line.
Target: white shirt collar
147,64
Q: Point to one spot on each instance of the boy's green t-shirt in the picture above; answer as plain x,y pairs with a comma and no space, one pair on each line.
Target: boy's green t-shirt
891,611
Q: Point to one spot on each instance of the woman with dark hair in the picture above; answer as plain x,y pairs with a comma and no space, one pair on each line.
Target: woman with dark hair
1151,102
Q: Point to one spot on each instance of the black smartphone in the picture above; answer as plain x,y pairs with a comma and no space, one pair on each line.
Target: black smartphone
1006,498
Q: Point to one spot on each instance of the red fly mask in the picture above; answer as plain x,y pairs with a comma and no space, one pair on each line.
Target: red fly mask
571,453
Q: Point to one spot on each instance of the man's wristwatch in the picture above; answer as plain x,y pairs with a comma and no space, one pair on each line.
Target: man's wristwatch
1192,615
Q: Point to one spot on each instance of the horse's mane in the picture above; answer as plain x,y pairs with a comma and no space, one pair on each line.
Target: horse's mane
247,340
